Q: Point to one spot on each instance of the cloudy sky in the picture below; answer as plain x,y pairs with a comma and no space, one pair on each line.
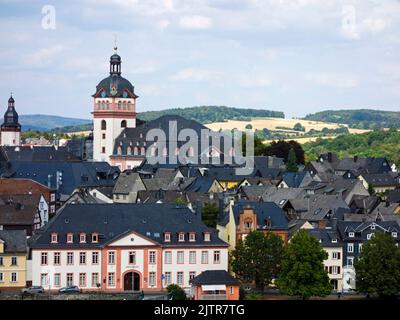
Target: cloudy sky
297,56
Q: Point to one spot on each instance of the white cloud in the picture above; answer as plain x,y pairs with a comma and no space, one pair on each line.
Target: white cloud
195,22
163,24
43,56
195,74
333,79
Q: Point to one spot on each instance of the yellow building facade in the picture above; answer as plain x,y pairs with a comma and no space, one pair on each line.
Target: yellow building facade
13,260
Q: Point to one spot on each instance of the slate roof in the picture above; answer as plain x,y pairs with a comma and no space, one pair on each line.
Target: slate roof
37,154
201,185
394,196
265,211
363,204
254,193
296,179
367,165
361,229
326,236
380,179
214,277
126,182
112,221
136,137
74,174
14,241
281,195
159,196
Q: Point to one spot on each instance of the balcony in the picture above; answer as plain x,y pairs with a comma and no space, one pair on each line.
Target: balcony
213,297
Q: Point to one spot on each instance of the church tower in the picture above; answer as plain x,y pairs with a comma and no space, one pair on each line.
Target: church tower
11,129
114,109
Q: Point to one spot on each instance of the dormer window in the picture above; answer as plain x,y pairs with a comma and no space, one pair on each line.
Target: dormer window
82,238
351,234
373,226
167,237
394,234
369,236
70,238
334,240
54,238
192,237
207,236
95,238
248,223
181,237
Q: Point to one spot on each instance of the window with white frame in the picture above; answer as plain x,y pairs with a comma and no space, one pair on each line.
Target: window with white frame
95,238
70,238
44,258
54,238
52,197
192,275
192,257
180,257
167,278
70,279
204,257
95,279
14,261
181,237
179,278
57,258
192,237
360,245
373,226
152,279
43,280
82,238
394,234
14,277
152,257
168,257
350,261
369,236
111,257
217,257
207,236
111,279
57,282
335,255
82,279
350,247
82,258
351,234
95,258
70,258
167,237
132,257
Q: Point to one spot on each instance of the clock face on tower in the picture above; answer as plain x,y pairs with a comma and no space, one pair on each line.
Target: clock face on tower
113,91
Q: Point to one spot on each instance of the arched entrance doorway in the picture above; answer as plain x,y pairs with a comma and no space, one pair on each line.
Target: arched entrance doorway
132,281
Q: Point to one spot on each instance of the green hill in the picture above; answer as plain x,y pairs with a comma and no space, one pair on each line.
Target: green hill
41,122
360,119
205,114
209,114
377,143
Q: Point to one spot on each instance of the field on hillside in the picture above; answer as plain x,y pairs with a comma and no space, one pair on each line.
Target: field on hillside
275,123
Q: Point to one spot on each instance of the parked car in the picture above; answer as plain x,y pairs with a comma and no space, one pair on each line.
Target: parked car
33,290
71,289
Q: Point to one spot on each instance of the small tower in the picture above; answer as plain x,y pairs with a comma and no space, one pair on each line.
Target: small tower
11,129
114,109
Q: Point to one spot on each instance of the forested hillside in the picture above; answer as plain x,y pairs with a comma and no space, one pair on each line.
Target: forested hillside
360,119
378,143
